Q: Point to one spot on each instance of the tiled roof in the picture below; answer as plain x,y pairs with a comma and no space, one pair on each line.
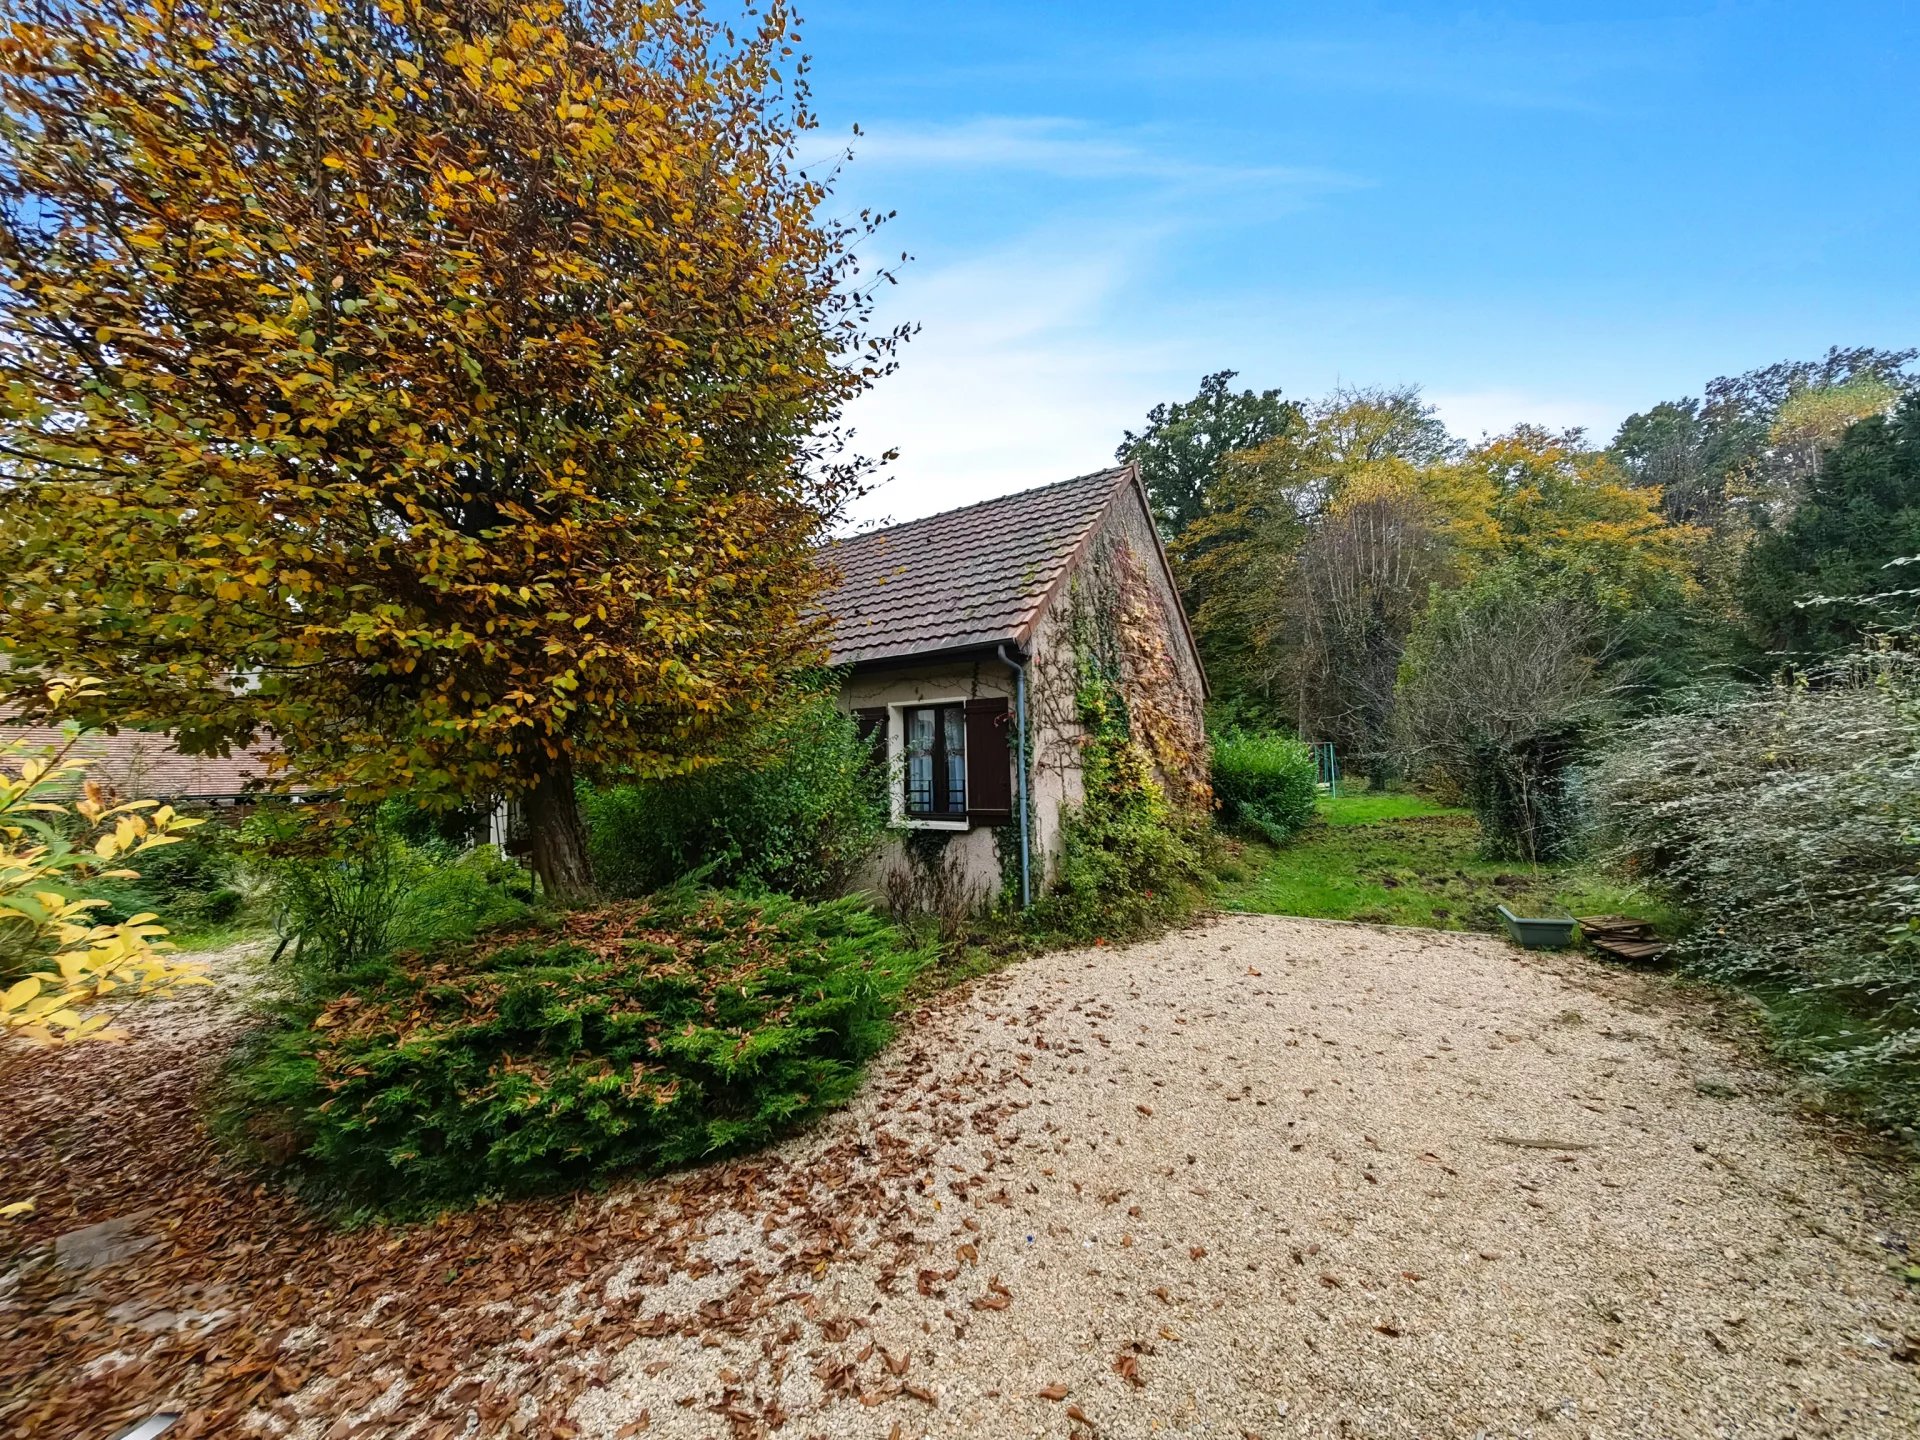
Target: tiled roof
139,765
973,576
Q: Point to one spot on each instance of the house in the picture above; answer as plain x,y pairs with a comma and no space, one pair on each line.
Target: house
967,637
142,765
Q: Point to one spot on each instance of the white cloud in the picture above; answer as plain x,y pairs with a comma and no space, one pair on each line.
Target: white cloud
1026,371
1065,149
1034,356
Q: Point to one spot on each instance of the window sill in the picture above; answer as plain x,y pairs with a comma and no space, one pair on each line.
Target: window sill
910,822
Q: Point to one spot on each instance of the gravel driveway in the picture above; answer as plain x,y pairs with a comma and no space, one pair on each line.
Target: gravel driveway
1264,1177
1279,1177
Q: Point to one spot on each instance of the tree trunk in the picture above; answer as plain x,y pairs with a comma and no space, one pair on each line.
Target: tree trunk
558,838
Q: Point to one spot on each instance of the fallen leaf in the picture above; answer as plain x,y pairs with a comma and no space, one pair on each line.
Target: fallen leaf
1055,1391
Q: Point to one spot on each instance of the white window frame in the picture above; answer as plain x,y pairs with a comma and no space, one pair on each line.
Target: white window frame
897,764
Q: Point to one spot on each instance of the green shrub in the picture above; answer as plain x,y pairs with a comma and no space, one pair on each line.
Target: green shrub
794,807
646,1035
348,890
452,896
217,907
1264,782
188,884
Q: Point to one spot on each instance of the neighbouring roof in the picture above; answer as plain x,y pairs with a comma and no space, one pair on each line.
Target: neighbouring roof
975,576
140,765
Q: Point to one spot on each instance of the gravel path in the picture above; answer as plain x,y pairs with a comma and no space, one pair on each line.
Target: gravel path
1277,1177
1264,1178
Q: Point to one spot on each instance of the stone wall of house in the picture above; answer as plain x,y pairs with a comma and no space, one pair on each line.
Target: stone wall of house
927,868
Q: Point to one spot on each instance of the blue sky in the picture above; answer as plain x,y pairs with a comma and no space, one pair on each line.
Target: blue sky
1550,212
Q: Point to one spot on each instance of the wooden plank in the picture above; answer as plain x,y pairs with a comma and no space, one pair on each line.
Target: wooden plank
1639,951
1624,926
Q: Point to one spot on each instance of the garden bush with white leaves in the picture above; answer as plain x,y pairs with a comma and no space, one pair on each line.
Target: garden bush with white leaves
1787,818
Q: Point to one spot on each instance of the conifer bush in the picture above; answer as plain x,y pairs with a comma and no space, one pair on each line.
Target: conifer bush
632,1038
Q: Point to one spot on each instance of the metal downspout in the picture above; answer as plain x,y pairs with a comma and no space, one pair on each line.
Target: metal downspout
1019,668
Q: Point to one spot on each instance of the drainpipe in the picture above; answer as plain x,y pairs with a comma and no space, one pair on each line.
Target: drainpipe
1019,668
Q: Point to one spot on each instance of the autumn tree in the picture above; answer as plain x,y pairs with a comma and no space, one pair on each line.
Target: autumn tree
1313,557
1565,513
1743,451
445,391
1181,450
1321,549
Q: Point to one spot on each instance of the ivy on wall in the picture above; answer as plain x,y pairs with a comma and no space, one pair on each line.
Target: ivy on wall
1112,719
1165,713
1129,851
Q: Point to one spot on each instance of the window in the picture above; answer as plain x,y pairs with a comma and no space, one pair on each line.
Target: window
935,743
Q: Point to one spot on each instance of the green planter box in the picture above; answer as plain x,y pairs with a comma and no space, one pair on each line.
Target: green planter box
1539,932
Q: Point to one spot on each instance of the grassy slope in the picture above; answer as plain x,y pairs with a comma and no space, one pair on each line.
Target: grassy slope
1401,860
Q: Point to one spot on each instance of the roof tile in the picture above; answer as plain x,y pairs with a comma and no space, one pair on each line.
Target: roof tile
972,576
140,765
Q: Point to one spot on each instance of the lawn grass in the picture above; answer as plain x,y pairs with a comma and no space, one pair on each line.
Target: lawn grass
222,934
1369,807
1399,859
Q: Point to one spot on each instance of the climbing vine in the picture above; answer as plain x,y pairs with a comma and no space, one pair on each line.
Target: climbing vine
1129,858
1165,714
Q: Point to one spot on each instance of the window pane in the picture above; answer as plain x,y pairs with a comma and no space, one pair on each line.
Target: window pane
919,761
919,732
954,723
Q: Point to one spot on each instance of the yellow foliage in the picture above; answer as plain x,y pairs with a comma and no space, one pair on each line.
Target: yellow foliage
461,373
74,961
1571,513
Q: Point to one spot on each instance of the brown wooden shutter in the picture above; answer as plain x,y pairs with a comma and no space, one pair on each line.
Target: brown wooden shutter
873,729
989,760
